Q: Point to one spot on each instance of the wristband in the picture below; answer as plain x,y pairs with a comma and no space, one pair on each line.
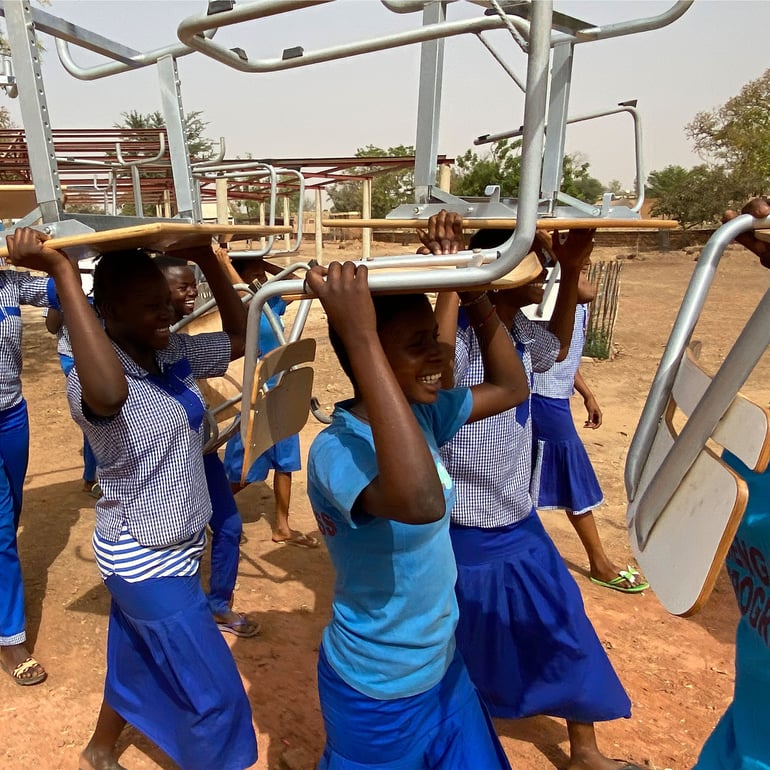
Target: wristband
475,300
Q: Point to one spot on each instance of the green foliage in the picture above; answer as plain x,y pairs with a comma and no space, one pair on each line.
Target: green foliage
597,344
389,189
695,196
734,140
502,166
737,136
577,182
198,145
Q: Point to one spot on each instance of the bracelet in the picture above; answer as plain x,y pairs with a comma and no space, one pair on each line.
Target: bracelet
475,300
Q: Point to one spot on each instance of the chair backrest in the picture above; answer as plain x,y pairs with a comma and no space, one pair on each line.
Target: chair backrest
693,533
277,411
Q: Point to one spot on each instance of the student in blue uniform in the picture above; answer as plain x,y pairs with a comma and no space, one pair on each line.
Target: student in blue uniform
563,477
523,631
16,288
225,523
169,671
283,458
394,692
54,322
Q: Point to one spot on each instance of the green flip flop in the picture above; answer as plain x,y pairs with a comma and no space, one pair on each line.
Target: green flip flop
626,582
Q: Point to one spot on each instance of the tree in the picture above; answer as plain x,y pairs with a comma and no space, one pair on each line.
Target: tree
577,182
736,136
693,196
502,166
198,145
389,188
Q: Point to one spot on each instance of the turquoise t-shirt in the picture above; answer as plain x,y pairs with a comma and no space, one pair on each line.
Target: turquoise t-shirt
741,740
394,611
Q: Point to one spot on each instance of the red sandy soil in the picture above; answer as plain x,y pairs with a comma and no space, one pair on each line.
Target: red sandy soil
678,672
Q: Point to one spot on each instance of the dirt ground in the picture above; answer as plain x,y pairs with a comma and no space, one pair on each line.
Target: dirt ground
678,672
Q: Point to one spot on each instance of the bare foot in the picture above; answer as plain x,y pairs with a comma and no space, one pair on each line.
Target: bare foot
91,759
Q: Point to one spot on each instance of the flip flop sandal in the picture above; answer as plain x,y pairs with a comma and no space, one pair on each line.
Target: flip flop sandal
241,627
625,582
17,674
301,540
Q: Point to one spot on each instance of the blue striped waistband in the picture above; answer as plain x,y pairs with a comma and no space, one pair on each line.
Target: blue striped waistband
7,312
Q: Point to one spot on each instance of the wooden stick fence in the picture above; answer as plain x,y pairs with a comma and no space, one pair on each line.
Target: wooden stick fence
605,276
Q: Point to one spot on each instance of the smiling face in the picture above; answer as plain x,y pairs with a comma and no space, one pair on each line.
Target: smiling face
139,318
511,300
410,341
183,289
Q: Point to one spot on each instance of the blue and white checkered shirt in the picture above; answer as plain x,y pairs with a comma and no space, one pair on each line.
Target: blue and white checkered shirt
490,460
559,380
17,288
149,455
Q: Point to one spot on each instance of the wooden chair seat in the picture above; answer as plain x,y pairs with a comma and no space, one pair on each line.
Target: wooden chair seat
688,544
279,411
155,236
554,223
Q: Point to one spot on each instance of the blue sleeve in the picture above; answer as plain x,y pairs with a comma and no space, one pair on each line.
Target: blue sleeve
340,466
449,413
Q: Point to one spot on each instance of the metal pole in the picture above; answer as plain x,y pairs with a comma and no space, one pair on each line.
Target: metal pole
287,220
445,177
187,198
553,158
319,236
223,210
34,109
366,211
428,105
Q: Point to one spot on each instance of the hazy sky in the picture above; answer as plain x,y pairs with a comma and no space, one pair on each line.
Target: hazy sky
696,63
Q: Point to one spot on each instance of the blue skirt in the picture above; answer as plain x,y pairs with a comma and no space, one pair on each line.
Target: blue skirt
444,728
283,457
523,631
563,477
171,675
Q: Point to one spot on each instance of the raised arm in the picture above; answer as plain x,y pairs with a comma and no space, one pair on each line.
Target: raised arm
594,412
505,382
572,255
102,379
759,208
219,272
53,320
447,311
407,488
